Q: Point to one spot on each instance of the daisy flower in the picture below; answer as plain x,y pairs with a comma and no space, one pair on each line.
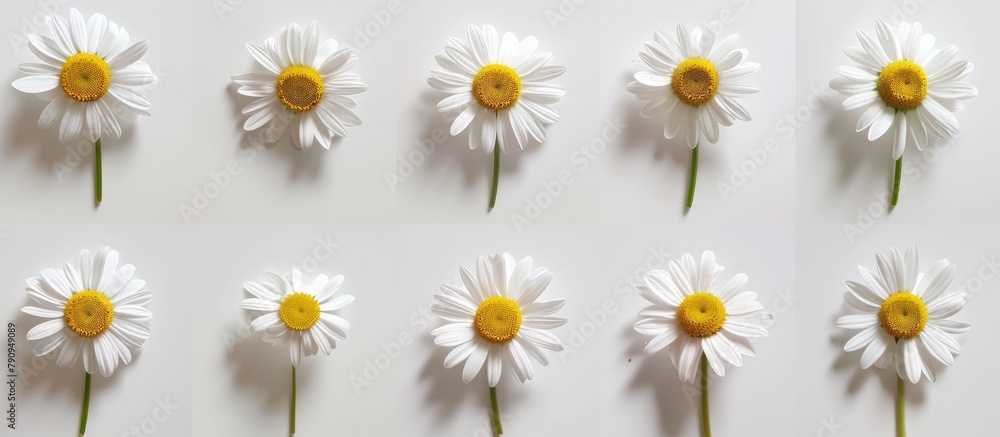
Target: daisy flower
495,319
93,308
499,89
307,84
90,75
298,315
905,86
695,81
701,322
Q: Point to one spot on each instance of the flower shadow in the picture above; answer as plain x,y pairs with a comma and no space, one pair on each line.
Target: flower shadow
854,152
262,371
657,374
447,393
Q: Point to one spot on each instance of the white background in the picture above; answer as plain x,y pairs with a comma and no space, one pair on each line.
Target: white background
840,172
831,386
49,403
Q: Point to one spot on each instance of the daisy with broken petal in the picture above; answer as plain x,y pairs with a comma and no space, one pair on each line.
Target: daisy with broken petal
701,321
495,318
906,87
298,315
94,309
904,318
306,84
499,89
91,76
695,81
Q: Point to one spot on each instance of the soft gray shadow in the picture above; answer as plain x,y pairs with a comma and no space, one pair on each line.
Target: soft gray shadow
850,362
454,151
446,391
645,135
263,372
855,154
303,165
656,373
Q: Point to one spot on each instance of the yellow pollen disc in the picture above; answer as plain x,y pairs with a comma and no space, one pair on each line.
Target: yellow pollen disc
299,311
903,315
300,88
85,77
701,314
496,87
498,319
902,85
695,81
89,313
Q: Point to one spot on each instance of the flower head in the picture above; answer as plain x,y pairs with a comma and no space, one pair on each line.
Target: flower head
93,308
904,85
299,314
692,314
694,80
904,316
499,88
89,74
496,318
307,84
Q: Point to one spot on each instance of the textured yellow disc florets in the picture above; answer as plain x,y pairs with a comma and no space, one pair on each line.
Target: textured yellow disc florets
89,313
701,314
300,88
496,87
903,315
902,85
85,77
498,319
299,311
695,81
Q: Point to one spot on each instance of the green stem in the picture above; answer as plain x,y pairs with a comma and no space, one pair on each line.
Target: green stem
895,180
86,407
900,408
496,411
496,173
292,422
706,427
693,177
98,172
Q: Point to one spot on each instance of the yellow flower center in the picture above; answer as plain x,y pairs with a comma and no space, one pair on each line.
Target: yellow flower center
498,319
902,85
903,315
695,81
85,77
496,87
89,313
299,311
300,88
701,314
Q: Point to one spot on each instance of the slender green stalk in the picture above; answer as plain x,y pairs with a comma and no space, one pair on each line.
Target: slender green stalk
706,427
693,177
496,173
98,173
292,422
895,180
86,406
496,411
900,408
